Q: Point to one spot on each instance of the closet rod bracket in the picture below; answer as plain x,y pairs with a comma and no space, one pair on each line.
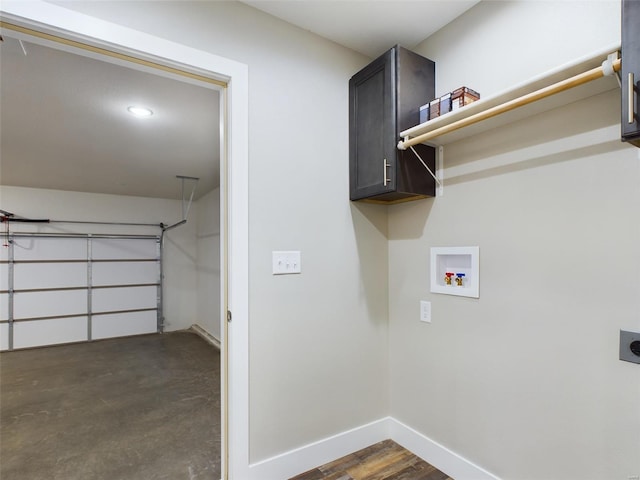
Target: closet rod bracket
608,67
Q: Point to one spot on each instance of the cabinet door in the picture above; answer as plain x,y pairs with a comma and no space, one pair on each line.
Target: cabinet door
372,126
631,71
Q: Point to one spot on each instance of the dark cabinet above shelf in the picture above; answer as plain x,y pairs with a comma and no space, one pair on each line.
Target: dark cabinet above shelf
384,99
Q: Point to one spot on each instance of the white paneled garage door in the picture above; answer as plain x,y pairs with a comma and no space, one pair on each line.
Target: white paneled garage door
72,288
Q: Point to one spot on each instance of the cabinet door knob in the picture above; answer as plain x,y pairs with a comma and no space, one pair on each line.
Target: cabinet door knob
631,86
386,178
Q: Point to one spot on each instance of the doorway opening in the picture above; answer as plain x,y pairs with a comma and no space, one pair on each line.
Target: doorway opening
223,191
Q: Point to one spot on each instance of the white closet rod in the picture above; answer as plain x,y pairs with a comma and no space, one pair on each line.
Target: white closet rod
558,87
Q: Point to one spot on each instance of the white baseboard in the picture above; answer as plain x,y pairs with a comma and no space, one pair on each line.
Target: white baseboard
318,453
439,456
305,458
201,332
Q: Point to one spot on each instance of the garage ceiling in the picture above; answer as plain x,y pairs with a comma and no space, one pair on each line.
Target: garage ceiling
65,126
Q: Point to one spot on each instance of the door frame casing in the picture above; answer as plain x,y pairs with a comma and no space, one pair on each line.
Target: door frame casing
55,20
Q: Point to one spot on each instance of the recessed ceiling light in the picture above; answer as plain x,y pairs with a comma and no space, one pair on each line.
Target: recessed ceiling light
139,111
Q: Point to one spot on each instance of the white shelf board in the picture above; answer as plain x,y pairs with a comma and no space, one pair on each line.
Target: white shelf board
563,72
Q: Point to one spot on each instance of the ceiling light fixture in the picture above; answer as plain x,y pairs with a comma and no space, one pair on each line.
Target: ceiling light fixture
139,111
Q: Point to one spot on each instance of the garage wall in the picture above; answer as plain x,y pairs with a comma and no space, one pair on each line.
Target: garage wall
208,264
525,381
180,245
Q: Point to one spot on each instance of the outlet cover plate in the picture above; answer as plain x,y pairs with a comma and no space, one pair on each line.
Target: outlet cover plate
626,338
425,311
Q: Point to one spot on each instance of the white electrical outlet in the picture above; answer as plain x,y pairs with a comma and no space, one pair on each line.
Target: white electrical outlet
285,263
425,311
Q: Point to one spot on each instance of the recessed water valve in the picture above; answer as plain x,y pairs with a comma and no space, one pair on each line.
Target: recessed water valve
459,278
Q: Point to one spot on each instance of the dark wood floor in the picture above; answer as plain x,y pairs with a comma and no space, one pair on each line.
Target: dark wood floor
383,461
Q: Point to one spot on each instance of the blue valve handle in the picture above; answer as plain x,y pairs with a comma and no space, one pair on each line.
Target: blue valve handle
460,275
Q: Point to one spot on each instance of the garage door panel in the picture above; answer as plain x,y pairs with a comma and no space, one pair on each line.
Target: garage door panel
4,336
49,275
49,332
124,324
121,272
32,248
4,306
49,304
129,298
57,281
4,276
117,248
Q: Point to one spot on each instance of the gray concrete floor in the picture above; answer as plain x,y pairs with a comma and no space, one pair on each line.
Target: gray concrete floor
137,408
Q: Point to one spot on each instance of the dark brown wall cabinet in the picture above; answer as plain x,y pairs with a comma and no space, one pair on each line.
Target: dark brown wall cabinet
384,99
631,71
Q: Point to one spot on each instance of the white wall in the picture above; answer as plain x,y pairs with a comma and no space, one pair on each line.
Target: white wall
318,341
208,262
180,301
498,44
525,381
